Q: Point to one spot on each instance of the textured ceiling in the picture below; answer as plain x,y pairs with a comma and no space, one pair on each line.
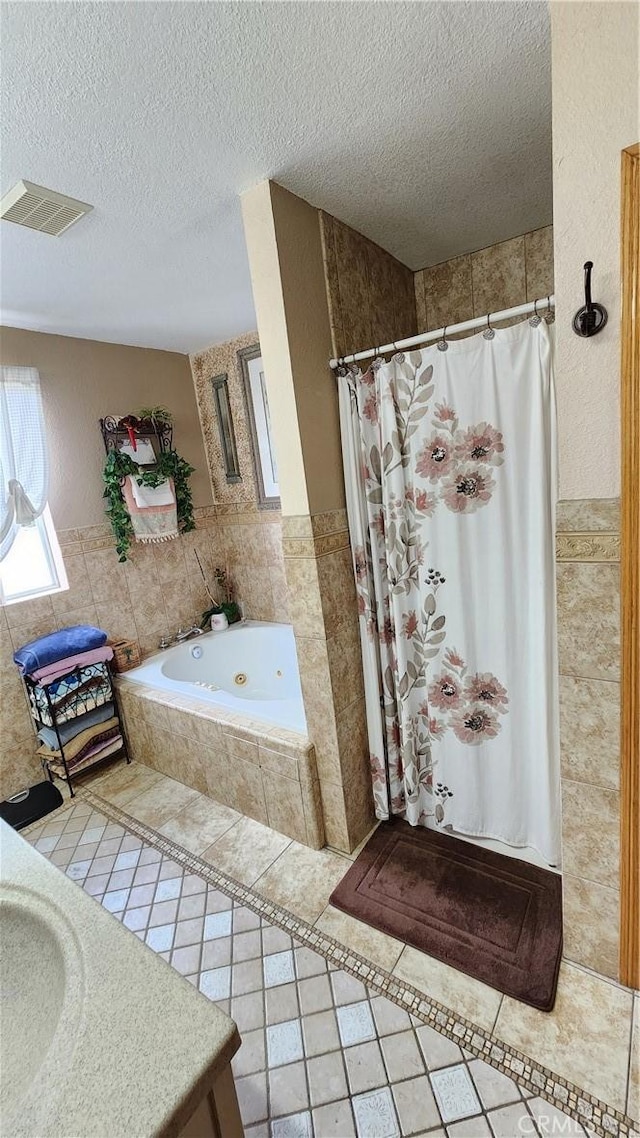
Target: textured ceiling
427,126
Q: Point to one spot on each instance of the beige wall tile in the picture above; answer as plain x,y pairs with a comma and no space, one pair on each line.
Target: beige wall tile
79,592
312,806
345,663
584,1039
590,731
538,250
337,589
590,832
353,742
27,614
305,605
421,304
285,811
591,920
498,276
319,708
589,620
107,576
588,515
633,1099
335,816
20,767
448,292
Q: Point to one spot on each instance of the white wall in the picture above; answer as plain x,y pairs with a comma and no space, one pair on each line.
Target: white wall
595,116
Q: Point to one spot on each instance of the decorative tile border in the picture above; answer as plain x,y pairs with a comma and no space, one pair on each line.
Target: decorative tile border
313,547
590,546
590,1111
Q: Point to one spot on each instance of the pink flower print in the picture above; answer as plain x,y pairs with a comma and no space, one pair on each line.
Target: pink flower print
444,413
425,503
409,624
445,692
486,689
387,632
453,659
362,608
377,769
360,563
435,458
475,724
437,727
467,489
482,443
370,408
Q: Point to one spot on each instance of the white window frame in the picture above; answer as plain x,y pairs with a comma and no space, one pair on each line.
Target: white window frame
59,582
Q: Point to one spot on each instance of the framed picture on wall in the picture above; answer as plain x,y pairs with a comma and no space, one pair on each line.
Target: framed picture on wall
264,455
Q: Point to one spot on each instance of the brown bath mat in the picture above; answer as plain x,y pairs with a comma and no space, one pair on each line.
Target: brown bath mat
495,918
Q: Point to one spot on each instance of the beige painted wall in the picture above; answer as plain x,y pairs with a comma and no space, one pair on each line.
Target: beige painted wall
594,73
84,380
295,335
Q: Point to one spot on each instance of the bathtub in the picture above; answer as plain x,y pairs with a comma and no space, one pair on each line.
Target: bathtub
250,668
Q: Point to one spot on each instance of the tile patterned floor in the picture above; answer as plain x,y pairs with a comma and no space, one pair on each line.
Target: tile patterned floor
322,1056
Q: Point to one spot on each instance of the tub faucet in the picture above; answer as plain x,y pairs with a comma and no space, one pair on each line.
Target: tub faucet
187,633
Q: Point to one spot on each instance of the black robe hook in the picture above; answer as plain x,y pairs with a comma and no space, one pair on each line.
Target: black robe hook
592,317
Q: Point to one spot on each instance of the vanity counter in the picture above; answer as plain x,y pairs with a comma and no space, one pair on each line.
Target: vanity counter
100,1037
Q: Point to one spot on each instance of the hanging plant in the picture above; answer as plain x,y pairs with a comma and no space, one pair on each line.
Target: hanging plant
168,465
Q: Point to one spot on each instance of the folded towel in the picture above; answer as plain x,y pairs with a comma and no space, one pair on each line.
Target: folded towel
99,752
150,524
57,646
80,744
148,497
72,695
68,730
61,667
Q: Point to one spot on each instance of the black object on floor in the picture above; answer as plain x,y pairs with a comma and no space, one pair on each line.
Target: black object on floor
30,805
492,916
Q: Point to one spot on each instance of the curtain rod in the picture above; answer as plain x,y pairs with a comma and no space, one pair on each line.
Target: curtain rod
535,306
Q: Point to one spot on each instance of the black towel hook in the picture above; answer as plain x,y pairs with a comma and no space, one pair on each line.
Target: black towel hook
592,317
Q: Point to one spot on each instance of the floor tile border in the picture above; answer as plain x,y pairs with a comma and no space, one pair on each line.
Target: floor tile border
585,1108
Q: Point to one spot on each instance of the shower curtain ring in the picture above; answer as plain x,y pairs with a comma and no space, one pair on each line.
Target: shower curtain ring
489,332
550,314
536,318
443,344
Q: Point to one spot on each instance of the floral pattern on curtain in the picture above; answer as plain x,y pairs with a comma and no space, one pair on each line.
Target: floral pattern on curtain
457,463
409,455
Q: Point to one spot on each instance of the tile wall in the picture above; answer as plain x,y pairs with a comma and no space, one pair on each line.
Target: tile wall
370,294
155,591
588,556
324,615
268,774
248,539
490,279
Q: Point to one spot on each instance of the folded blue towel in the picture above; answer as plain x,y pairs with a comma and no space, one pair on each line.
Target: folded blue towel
73,727
57,646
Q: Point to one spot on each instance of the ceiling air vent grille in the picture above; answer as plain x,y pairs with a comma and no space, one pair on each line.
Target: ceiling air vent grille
42,209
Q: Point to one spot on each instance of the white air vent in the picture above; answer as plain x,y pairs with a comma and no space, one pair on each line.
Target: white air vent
39,208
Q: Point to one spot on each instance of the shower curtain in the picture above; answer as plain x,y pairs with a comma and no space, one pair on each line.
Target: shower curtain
449,462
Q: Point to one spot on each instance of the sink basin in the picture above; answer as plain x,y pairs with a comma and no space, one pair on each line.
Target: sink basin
40,981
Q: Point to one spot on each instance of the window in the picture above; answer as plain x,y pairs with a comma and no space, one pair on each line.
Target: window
31,563
33,567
